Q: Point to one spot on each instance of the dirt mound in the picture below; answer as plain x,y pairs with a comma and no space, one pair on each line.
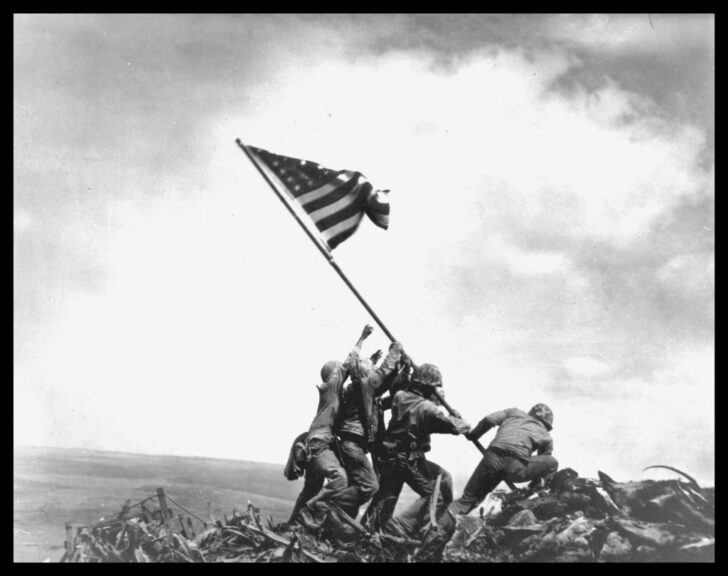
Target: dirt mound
571,519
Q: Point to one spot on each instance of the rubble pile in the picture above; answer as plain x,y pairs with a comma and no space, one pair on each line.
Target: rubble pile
575,519
569,519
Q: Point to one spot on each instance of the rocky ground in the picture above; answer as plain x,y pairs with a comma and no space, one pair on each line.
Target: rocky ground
570,519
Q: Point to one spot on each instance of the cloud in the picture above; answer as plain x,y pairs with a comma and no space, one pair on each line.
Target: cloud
585,366
22,221
690,274
546,239
632,33
526,262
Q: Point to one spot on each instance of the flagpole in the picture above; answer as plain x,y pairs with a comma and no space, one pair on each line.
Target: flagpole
324,250
330,258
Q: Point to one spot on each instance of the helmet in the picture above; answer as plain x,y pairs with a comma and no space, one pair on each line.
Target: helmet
428,375
328,369
543,413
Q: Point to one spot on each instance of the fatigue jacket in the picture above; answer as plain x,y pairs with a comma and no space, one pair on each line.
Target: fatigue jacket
518,432
360,417
414,419
329,398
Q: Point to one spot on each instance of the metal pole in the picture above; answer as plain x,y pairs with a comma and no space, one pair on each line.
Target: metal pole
327,254
165,513
324,251
455,413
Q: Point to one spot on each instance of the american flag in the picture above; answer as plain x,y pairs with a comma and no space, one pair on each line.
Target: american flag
335,200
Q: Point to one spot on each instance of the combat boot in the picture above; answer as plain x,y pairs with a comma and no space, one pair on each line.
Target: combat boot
312,517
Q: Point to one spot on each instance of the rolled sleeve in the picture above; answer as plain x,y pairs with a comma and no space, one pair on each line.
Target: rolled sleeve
435,421
376,383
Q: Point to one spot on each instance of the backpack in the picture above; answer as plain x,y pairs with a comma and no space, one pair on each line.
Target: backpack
298,457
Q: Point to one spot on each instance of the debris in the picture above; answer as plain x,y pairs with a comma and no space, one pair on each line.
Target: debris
568,519
616,549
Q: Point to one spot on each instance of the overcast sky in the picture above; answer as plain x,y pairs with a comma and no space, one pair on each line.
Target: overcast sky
551,237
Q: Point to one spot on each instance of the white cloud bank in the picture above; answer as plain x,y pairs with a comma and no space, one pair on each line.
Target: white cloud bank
220,311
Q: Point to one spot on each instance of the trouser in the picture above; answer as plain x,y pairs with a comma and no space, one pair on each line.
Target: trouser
419,474
313,482
495,467
325,466
360,472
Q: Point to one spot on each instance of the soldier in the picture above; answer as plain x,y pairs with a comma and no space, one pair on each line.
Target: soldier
415,416
508,457
323,462
360,418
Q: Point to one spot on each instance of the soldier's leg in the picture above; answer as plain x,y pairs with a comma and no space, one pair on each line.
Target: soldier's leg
361,474
432,470
538,467
313,482
325,463
422,477
382,505
487,475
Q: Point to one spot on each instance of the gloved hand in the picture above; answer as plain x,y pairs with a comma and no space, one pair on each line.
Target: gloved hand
368,329
482,427
461,426
376,356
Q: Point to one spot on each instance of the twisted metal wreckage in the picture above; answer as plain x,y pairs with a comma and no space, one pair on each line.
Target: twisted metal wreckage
570,519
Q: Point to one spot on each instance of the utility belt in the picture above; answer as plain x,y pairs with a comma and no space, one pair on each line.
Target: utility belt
505,452
356,439
317,445
408,449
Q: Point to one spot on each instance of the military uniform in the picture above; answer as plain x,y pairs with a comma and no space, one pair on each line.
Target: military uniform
509,455
407,439
358,424
324,464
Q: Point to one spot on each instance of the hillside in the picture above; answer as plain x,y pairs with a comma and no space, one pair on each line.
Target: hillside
53,486
112,501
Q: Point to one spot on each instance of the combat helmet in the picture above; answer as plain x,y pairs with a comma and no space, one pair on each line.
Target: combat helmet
543,413
328,369
427,375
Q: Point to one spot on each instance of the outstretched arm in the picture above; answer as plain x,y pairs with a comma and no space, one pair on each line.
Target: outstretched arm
378,381
353,356
368,329
435,421
491,420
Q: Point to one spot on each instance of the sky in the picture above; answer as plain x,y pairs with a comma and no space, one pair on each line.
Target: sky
551,234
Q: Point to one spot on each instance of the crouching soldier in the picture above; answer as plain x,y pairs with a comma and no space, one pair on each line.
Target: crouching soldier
415,416
508,457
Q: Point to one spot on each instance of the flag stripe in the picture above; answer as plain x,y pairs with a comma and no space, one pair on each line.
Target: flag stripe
350,196
334,201
353,207
314,195
314,176
342,191
341,231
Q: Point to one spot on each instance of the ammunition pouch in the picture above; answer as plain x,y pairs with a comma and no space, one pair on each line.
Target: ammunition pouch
391,451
